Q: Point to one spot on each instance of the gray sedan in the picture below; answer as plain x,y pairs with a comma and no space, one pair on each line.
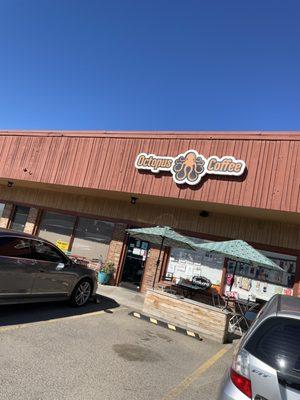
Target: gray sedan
34,270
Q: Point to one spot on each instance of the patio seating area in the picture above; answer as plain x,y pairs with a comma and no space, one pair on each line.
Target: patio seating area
199,289
241,312
194,316
195,301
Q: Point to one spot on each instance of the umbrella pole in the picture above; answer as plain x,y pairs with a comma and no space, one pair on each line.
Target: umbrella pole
158,261
233,276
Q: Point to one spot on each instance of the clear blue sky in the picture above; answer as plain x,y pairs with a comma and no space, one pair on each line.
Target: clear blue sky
150,64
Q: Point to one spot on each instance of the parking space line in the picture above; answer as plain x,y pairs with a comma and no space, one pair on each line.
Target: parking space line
185,383
50,321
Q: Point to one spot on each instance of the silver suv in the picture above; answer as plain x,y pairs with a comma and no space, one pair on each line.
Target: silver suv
34,270
266,365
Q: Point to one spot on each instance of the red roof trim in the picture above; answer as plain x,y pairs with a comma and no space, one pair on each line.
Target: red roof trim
211,135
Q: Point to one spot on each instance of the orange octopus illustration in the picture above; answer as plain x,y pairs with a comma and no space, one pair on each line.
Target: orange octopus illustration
188,167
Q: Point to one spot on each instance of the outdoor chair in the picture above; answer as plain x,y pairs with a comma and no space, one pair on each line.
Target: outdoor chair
166,283
243,315
168,277
217,300
250,316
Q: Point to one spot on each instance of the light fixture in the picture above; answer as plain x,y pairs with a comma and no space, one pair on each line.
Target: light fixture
10,184
204,214
133,200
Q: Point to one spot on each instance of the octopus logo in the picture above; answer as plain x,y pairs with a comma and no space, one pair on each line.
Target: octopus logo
188,168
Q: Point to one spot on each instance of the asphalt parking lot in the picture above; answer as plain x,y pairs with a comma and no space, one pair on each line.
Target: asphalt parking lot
52,351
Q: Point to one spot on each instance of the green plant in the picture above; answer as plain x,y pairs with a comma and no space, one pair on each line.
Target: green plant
108,267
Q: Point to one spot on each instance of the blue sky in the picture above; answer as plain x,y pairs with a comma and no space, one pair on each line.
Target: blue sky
150,64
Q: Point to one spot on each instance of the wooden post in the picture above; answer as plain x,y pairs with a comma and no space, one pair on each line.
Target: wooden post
223,280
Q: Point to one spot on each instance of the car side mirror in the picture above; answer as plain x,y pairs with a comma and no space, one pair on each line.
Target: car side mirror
60,266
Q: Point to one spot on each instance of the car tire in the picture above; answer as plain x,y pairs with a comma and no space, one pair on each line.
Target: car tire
81,293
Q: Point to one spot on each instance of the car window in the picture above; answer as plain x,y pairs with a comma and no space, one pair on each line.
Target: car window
15,247
45,252
277,343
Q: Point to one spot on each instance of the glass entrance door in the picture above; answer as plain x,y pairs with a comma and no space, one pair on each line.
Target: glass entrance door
134,263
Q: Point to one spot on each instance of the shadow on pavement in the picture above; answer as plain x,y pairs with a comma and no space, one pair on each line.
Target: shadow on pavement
233,337
27,313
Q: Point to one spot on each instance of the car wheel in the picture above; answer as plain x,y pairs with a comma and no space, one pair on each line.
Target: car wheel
81,293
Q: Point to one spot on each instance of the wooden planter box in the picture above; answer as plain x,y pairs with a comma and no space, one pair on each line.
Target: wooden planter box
201,318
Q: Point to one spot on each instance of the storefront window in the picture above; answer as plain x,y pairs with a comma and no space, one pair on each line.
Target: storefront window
188,263
19,218
92,239
2,205
251,282
262,283
57,228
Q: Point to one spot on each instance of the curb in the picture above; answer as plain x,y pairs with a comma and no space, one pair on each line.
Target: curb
166,325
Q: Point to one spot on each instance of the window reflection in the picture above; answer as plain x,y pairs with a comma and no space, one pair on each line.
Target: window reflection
2,205
19,218
57,228
92,238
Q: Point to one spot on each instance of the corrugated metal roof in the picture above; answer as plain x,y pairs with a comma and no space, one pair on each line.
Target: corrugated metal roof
105,160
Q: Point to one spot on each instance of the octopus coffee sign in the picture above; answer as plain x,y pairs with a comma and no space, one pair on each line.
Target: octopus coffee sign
190,167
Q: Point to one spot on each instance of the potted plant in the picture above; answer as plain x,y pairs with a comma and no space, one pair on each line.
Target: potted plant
105,272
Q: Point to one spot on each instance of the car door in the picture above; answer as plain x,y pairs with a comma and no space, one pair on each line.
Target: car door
53,276
17,268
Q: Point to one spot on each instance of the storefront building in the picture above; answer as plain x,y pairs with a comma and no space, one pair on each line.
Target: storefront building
82,190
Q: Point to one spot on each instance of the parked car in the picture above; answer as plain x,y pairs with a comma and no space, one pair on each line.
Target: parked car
266,364
34,270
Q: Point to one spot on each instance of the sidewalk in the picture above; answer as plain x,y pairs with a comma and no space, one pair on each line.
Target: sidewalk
123,296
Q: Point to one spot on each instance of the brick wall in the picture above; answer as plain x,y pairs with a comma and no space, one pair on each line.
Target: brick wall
4,220
31,220
150,268
115,248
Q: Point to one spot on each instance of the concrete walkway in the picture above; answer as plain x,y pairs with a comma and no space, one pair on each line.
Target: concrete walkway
123,296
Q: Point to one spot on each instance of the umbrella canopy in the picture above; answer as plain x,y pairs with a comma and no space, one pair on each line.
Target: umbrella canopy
165,234
239,250
162,236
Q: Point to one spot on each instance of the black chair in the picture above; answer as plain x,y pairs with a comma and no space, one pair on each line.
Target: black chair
168,277
166,283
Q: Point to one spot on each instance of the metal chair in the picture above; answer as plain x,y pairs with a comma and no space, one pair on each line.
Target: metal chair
166,283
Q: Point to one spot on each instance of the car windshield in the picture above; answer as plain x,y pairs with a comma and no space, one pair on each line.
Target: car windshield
277,343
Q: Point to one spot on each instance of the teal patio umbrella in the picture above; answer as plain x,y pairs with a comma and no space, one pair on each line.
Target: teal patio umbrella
162,236
238,250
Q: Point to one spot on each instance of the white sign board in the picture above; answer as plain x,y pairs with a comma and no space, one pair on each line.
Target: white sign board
190,167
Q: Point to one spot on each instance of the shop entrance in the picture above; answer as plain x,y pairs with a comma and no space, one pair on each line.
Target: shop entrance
134,263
